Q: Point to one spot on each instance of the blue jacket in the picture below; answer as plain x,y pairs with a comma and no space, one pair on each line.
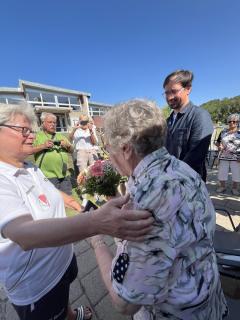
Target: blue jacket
188,138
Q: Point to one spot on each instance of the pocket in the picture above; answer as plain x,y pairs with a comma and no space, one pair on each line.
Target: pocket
181,135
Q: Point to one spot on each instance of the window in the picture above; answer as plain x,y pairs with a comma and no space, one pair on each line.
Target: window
75,104
33,96
63,100
97,111
2,100
74,100
15,101
48,98
61,122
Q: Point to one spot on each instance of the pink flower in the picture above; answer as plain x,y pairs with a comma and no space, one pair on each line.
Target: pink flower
96,169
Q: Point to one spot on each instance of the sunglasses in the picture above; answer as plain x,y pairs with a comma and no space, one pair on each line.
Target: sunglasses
232,121
83,123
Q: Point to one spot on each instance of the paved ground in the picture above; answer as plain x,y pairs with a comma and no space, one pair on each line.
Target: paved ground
88,289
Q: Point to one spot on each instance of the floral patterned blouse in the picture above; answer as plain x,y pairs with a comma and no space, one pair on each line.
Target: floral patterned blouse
231,145
172,274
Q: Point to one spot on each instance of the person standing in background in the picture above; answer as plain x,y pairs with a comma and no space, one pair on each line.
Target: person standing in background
189,127
84,139
228,144
51,152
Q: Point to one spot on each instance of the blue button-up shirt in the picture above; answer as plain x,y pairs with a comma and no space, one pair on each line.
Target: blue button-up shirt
189,136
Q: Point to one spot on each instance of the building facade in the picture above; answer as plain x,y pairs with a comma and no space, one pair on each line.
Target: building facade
66,104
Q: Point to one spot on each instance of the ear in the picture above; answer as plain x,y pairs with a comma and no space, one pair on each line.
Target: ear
188,90
127,151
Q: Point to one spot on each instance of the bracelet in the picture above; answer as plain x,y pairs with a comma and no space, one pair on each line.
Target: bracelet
98,244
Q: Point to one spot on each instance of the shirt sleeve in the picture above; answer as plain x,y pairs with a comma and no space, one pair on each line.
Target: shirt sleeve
11,204
146,266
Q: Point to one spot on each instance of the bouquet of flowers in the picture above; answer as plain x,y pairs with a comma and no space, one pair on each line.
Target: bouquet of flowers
99,179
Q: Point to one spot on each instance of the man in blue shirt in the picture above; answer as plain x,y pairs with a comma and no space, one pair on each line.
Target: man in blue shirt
189,127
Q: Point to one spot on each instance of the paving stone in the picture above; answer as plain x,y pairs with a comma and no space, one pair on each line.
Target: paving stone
81,247
75,290
86,263
106,311
11,313
93,286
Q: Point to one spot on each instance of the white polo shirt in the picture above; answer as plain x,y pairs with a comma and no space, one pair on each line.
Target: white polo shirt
29,275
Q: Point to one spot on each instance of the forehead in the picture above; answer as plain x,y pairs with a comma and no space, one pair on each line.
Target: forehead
83,118
50,118
19,118
173,85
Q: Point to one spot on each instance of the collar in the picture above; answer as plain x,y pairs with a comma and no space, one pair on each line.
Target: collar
12,170
159,155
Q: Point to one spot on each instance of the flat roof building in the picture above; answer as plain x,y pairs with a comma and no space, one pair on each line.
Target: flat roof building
66,104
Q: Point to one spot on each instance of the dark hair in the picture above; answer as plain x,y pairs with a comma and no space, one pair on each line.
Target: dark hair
185,77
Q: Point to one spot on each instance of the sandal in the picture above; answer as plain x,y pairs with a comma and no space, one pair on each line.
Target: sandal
83,313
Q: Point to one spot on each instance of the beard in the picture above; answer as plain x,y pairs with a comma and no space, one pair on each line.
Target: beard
175,103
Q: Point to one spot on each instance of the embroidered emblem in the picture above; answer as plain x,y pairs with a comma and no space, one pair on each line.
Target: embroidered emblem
43,200
120,267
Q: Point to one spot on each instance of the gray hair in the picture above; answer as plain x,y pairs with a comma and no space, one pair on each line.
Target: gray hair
44,115
9,111
233,117
138,122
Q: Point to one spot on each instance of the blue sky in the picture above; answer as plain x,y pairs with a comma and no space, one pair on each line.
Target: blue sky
118,50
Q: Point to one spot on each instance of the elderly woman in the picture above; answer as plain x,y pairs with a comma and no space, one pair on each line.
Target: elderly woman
228,144
37,261
173,274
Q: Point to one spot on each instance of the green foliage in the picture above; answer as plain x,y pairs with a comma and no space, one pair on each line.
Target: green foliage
105,185
221,109
166,111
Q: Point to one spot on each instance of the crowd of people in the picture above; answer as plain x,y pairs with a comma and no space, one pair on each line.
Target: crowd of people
165,222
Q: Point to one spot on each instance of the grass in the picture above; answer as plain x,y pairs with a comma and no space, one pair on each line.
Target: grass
69,212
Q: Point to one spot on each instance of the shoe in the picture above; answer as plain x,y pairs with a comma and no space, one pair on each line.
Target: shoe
83,313
221,189
235,192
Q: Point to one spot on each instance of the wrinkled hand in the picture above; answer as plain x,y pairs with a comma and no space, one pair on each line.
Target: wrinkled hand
48,144
123,223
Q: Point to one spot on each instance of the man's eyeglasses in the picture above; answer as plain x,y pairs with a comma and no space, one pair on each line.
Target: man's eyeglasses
24,130
173,92
232,121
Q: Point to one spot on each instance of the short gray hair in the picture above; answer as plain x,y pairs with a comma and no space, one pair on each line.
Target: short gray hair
44,115
9,111
233,117
138,122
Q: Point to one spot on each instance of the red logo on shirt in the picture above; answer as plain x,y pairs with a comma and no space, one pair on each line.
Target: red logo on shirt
43,200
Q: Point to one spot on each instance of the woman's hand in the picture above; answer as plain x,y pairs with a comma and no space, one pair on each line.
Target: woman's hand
124,223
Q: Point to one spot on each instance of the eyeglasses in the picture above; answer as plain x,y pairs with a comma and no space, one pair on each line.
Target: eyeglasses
173,92
232,121
24,130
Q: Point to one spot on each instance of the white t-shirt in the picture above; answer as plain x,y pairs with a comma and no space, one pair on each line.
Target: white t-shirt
29,275
82,140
